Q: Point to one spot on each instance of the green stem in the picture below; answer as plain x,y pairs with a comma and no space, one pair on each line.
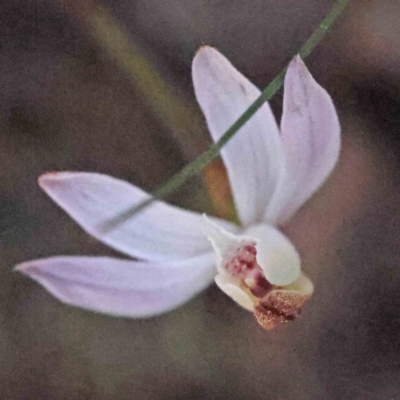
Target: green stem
201,161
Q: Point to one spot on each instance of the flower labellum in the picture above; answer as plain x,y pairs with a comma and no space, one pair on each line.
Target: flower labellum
261,272
272,173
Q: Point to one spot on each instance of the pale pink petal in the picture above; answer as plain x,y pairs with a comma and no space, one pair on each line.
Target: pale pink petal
311,140
121,287
158,233
253,158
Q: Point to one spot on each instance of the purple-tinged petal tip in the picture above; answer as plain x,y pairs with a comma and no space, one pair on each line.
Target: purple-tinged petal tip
310,132
120,287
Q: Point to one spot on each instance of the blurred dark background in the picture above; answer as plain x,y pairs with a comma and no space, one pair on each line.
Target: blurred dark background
66,105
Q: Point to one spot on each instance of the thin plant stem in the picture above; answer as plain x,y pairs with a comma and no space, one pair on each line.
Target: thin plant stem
205,158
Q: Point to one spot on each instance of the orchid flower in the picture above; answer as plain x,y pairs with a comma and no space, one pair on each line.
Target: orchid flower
177,252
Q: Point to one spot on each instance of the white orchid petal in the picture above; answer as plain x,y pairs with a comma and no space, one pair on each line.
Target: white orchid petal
253,158
230,288
276,255
311,141
159,233
121,287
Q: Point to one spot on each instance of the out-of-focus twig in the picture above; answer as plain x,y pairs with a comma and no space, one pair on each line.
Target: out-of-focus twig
178,113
